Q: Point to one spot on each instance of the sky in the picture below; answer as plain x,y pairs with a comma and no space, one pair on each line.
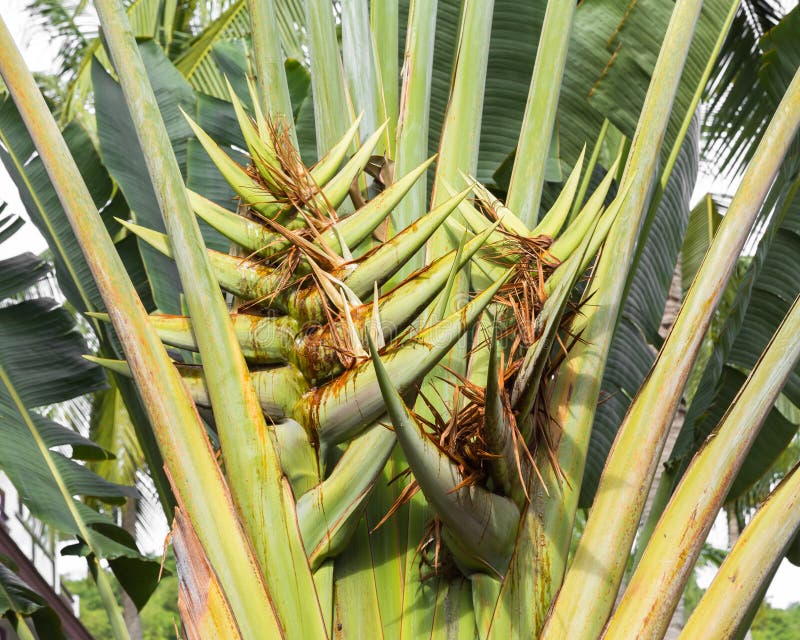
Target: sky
40,53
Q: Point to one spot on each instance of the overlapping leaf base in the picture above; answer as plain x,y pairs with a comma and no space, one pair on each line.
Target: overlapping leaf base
314,293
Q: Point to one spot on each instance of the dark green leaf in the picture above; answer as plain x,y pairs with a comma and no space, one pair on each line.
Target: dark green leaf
42,204
18,599
20,272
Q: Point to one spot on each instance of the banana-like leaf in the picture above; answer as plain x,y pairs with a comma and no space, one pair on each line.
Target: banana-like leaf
126,163
515,29
74,278
47,480
19,602
231,58
195,57
45,211
41,200
32,332
9,223
20,272
612,52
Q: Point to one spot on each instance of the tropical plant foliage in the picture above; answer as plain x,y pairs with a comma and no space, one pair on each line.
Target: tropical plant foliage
379,284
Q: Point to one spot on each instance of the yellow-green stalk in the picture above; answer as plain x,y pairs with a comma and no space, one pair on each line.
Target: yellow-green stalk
656,587
593,579
192,468
748,566
252,464
527,176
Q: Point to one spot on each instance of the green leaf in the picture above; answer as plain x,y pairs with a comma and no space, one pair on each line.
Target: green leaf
703,222
196,64
41,201
125,161
612,53
31,332
20,272
18,601
9,224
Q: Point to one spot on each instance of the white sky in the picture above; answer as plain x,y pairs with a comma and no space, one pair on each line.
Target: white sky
40,53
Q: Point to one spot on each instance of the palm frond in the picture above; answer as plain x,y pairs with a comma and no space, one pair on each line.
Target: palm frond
737,106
